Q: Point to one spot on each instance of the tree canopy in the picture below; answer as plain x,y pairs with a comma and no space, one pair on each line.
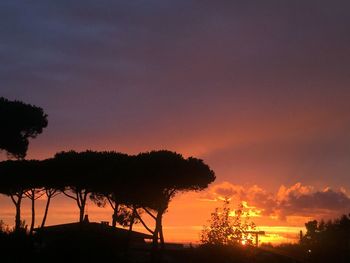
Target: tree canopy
19,122
228,227
19,177
167,173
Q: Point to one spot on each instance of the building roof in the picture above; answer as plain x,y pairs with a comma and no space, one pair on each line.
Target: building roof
93,227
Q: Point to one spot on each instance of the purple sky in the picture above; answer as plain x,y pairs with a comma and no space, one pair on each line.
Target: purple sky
259,89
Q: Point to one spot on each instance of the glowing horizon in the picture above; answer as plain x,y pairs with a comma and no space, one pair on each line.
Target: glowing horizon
189,212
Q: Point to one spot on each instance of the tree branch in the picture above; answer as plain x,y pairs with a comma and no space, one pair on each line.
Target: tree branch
56,193
70,196
172,192
110,203
28,194
143,223
13,199
148,212
40,194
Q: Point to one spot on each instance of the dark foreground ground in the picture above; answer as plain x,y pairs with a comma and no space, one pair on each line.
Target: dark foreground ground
19,247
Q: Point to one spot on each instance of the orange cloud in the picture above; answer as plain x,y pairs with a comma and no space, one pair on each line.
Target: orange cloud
297,200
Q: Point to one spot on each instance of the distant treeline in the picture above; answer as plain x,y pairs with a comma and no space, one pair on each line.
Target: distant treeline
328,241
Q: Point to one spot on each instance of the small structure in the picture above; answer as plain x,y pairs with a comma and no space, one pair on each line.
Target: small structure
256,233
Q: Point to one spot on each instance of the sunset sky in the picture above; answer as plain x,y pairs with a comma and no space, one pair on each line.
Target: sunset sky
259,90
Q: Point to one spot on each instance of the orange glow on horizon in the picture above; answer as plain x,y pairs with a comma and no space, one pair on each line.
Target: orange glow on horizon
178,226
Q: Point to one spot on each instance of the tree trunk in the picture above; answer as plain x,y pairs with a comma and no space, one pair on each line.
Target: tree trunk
81,213
155,238
161,236
18,213
33,212
157,230
115,215
17,204
46,210
82,197
132,220
160,227
156,255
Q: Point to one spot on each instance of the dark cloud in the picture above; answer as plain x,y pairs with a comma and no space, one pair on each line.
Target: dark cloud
327,203
226,189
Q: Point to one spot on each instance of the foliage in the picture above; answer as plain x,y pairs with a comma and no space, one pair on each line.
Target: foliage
328,239
228,227
4,229
168,173
19,122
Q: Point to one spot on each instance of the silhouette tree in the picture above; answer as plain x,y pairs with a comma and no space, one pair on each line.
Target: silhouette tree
130,184
81,173
50,193
228,227
50,185
35,186
311,235
19,122
116,181
328,241
161,175
72,174
33,194
18,177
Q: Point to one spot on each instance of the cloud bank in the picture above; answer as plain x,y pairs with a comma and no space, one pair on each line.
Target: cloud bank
297,200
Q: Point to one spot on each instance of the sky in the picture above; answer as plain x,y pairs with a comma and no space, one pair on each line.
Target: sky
259,90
